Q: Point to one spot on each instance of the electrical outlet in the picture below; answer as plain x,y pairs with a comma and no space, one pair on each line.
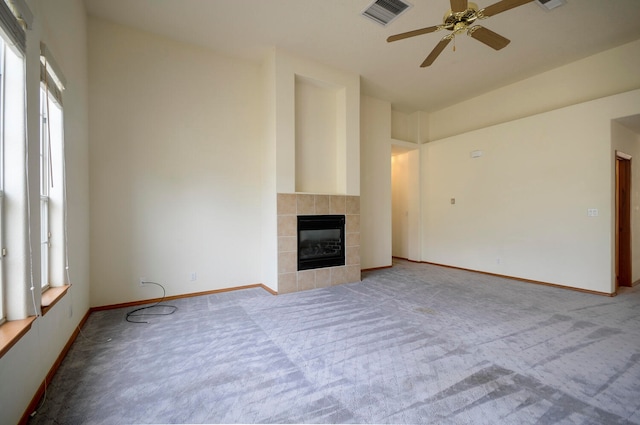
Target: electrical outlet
498,260
142,281
193,276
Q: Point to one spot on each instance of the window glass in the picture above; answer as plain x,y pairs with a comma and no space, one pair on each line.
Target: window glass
50,179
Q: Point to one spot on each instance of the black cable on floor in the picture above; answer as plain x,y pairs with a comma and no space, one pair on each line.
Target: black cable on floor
132,313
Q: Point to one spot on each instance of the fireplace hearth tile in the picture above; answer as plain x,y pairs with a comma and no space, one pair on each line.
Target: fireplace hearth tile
306,204
337,204
352,204
287,203
290,207
306,280
322,205
323,278
287,225
287,262
287,244
352,239
287,283
338,275
353,224
353,255
354,273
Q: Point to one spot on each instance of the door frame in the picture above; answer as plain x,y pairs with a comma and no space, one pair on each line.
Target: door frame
623,220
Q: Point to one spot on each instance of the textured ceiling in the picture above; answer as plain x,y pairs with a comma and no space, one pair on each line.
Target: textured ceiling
333,32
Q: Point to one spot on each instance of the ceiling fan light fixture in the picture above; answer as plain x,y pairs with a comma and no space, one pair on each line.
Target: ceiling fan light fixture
452,20
461,17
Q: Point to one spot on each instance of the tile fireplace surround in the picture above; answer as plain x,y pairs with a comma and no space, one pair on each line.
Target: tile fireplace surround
290,206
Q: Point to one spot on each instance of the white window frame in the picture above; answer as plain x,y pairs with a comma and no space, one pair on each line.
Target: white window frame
51,202
3,310
45,171
52,215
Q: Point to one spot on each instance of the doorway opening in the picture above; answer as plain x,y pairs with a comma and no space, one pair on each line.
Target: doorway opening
405,202
623,220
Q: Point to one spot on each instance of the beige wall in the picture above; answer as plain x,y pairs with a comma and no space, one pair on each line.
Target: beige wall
176,155
610,72
375,183
316,143
62,26
285,70
521,208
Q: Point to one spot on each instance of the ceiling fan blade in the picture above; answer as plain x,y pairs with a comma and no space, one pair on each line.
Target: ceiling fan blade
458,5
488,37
435,52
503,6
412,33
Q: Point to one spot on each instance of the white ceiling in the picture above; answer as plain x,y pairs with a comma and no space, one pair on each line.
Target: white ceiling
333,32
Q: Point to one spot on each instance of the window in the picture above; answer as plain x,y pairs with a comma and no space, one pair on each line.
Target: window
45,182
14,19
51,178
2,308
51,202
12,173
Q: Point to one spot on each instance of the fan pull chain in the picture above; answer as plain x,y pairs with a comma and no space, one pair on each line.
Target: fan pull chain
454,44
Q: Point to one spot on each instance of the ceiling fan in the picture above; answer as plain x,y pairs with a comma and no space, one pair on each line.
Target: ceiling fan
461,18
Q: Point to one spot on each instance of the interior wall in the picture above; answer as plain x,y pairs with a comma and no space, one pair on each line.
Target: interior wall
375,183
414,209
316,137
176,169
628,141
269,170
606,73
400,126
62,26
521,208
286,69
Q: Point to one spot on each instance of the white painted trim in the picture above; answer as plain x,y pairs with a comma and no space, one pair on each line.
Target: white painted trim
623,155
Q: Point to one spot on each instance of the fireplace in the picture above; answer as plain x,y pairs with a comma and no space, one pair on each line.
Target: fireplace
321,241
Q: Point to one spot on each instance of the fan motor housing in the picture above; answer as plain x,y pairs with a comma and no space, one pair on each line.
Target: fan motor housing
455,21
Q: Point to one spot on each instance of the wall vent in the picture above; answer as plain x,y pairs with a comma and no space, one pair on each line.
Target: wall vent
550,4
385,11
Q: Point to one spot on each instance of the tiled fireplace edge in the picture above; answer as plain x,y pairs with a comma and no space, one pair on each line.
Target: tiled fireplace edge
290,206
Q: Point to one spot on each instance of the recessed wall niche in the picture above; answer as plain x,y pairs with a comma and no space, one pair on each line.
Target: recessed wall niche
318,132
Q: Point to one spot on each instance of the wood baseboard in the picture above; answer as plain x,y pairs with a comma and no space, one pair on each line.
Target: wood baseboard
177,297
376,268
537,282
33,405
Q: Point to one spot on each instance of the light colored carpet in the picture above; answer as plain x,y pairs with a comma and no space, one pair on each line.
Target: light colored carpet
411,344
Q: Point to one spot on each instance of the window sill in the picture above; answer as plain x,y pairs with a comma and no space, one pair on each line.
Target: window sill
11,332
51,296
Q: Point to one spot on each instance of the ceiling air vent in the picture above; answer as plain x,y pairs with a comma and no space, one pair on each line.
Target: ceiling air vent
385,11
550,4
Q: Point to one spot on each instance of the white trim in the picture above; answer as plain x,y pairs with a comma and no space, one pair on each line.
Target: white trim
623,155
23,11
53,68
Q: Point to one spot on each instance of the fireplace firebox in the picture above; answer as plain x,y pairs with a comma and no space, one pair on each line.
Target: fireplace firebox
320,241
